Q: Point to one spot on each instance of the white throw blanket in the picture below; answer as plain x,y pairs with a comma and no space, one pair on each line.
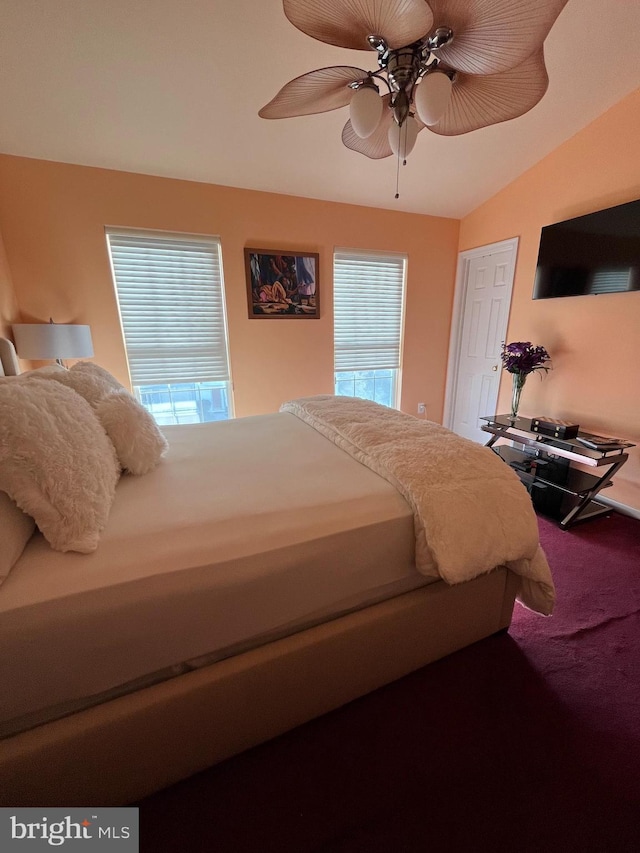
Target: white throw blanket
471,511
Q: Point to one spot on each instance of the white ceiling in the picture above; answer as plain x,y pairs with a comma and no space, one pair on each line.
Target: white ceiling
173,88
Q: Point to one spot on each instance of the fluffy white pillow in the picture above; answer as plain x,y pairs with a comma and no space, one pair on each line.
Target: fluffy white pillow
133,431
56,461
42,372
86,378
135,435
16,528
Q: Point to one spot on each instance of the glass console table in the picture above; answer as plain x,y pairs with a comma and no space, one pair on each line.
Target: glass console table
552,468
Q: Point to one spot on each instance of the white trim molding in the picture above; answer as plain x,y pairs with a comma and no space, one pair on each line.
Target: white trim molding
623,509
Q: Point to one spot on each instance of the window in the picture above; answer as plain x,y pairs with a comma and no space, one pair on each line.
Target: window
171,298
368,300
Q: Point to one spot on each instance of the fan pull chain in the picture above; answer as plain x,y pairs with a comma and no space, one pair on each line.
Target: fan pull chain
404,162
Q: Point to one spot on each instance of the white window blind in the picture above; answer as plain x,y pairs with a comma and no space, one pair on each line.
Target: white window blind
171,299
368,310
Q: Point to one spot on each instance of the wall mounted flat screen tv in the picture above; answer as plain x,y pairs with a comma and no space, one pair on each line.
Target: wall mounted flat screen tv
596,253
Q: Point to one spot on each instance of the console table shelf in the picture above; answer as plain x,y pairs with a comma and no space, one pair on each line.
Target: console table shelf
547,467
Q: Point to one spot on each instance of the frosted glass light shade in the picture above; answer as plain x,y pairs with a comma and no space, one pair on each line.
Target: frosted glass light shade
402,139
52,340
432,97
365,111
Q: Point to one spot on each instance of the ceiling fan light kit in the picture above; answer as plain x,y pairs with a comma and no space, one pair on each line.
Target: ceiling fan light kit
402,138
452,66
432,97
365,109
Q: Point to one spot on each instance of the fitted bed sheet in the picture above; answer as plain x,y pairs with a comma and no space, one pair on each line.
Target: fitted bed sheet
248,530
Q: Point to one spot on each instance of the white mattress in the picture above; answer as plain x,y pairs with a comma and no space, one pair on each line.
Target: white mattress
249,530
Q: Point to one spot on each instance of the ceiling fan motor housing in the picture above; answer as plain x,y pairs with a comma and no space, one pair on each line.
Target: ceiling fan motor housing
403,69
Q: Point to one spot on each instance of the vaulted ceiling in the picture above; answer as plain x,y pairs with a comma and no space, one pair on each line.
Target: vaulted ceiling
173,88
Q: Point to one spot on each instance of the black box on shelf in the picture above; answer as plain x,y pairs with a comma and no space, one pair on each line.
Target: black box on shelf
554,428
546,500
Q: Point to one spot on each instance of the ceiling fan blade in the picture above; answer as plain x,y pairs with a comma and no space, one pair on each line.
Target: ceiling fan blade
481,101
490,36
375,147
347,23
316,92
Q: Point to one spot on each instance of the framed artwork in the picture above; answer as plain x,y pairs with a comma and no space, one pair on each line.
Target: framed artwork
282,285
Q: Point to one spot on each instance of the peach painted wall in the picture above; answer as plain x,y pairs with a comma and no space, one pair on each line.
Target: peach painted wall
53,217
594,340
8,303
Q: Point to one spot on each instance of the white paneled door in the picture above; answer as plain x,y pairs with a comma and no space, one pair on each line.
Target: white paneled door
485,281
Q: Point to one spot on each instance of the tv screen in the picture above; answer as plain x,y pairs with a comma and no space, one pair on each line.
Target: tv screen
596,253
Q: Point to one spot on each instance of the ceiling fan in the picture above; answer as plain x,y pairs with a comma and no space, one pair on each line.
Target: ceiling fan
452,66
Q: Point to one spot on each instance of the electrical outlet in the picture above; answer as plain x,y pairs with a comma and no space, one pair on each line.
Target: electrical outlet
422,408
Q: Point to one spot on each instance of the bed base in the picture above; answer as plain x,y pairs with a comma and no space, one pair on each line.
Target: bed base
125,749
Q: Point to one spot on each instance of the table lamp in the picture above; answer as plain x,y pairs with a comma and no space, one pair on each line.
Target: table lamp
42,341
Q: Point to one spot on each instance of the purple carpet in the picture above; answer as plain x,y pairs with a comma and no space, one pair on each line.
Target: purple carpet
527,741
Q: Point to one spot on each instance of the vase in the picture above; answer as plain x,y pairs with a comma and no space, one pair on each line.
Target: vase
518,384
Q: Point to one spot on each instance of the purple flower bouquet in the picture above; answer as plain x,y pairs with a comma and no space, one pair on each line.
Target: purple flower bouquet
522,358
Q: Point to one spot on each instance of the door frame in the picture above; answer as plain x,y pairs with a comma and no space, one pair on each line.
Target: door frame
457,317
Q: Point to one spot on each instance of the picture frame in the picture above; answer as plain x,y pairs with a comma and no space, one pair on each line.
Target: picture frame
282,285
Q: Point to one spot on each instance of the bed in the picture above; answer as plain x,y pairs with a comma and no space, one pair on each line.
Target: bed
260,576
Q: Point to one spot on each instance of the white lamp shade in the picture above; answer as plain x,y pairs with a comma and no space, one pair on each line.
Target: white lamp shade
52,340
432,97
365,111
402,139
